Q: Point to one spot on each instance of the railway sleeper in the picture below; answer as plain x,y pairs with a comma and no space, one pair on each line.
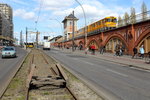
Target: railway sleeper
47,82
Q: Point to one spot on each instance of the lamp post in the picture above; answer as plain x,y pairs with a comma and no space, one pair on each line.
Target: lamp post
26,37
73,33
84,22
60,25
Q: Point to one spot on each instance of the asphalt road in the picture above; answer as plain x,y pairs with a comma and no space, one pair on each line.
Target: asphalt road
120,80
8,66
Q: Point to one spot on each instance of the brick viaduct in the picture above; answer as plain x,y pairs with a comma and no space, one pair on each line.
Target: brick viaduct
132,35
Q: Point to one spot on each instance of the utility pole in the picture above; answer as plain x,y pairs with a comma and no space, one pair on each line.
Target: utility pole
73,33
37,39
26,36
21,39
85,30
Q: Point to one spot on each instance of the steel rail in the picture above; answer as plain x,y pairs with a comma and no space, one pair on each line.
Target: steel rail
12,75
61,74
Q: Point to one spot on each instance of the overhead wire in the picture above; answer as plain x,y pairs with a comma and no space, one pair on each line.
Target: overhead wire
39,12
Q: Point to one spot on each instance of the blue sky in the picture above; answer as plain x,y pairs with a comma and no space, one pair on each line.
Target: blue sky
25,13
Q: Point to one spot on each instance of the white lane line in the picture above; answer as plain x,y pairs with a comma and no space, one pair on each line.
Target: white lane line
83,61
88,63
117,72
140,69
75,58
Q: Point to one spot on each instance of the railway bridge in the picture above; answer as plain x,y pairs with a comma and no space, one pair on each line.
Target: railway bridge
128,36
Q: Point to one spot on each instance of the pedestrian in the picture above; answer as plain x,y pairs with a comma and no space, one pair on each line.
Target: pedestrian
75,46
104,49
81,47
134,52
142,51
86,50
117,50
93,49
120,51
101,49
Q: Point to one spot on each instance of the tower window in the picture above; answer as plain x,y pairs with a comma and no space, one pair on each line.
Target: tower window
70,23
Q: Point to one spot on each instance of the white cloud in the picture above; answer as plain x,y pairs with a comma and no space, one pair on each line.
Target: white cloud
24,14
55,4
135,2
19,2
93,9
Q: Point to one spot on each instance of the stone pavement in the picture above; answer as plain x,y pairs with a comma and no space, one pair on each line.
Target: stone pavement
125,59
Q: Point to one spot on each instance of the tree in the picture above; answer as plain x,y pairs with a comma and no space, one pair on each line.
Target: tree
133,17
126,18
119,21
144,11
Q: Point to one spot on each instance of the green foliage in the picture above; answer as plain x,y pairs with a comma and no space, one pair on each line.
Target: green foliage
120,22
21,98
126,18
46,93
144,11
15,83
132,16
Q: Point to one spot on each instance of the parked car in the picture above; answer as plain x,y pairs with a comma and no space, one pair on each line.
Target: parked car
8,51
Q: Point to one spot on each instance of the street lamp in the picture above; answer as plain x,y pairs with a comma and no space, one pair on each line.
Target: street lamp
84,22
59,23
73,33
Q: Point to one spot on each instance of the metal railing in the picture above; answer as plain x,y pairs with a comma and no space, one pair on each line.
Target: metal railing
124,22
135,19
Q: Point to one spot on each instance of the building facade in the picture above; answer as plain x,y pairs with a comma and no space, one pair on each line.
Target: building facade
6,24
7,11
126,37
68,25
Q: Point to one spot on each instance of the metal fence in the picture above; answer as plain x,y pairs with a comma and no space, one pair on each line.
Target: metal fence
134,19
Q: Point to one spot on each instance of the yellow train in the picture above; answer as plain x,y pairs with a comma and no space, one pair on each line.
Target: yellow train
99,26
102,25
29,45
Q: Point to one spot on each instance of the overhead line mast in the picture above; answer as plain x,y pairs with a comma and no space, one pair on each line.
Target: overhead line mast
39,12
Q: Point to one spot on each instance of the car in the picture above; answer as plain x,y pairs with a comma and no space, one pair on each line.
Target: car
8,51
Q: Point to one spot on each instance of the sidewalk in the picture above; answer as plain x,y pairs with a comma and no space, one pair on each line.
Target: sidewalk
125,59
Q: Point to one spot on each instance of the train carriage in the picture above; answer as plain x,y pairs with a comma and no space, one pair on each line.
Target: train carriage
103,24
29,45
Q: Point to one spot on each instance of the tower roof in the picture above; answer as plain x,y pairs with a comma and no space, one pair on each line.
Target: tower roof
71,16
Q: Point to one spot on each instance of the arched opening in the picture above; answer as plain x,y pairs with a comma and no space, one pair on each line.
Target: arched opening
80,43
146,43
113,42
93,42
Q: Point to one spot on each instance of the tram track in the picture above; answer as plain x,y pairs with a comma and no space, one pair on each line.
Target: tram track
56,78
13,72
41,77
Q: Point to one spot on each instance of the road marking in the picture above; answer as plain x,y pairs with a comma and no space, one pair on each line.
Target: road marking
84,61
75,58
140,69
117,72
89,63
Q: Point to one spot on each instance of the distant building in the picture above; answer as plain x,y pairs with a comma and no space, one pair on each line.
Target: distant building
6,10
68,25
6,24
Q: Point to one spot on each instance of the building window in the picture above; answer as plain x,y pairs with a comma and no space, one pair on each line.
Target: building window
70,23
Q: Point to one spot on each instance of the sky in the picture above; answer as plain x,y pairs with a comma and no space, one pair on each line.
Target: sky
46,16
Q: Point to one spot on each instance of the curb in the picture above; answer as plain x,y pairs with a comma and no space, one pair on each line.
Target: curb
126,65
13,74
